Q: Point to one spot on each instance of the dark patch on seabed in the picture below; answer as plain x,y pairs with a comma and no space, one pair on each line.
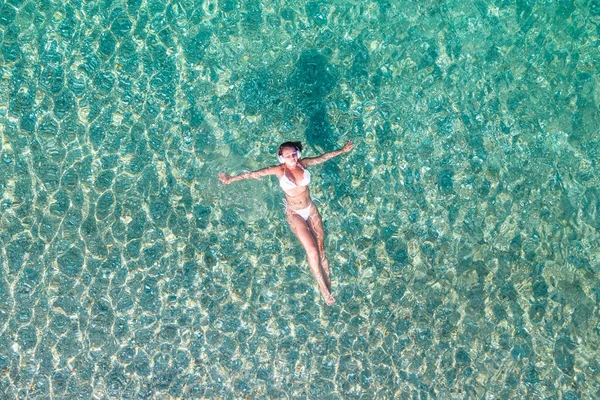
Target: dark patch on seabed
461,231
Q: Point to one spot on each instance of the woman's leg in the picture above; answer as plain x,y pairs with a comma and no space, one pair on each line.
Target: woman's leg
315,223
300,228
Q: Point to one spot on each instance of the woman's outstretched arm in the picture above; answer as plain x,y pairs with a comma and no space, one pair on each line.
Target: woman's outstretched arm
227,179
329,155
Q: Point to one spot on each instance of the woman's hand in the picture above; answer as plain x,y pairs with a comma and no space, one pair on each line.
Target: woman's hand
226,179
348,146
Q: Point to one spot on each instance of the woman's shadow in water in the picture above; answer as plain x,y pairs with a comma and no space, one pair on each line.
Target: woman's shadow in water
311,81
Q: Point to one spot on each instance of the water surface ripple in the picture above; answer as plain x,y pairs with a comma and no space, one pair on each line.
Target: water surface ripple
462,231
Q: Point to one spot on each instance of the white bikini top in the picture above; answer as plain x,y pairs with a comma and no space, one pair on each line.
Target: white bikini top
287,184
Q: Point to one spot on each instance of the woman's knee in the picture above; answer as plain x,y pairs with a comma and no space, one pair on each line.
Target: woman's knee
312,252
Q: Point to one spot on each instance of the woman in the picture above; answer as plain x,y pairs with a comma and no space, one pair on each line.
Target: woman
301,213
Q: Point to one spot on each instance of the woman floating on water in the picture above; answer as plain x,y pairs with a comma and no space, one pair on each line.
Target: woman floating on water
301,213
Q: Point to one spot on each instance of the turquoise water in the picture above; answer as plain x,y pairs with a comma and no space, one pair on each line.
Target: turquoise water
462,230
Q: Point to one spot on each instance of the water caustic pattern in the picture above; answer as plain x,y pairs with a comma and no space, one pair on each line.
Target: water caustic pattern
462,231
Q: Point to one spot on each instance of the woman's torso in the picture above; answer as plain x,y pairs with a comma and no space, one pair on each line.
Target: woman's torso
294,184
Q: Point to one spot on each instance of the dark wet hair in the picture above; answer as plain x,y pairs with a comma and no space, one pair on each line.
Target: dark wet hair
294,145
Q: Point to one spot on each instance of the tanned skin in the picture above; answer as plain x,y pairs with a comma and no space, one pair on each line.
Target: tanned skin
310,232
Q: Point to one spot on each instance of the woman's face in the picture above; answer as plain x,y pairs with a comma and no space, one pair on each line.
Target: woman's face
290,156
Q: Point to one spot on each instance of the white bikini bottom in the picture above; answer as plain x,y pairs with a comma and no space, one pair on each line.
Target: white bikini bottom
303,212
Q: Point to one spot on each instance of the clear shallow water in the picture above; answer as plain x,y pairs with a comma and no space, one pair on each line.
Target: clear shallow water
462,231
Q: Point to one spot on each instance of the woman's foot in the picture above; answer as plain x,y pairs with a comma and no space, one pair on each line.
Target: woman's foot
329,300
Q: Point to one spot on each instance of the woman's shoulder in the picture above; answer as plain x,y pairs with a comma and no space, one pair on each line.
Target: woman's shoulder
278,170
